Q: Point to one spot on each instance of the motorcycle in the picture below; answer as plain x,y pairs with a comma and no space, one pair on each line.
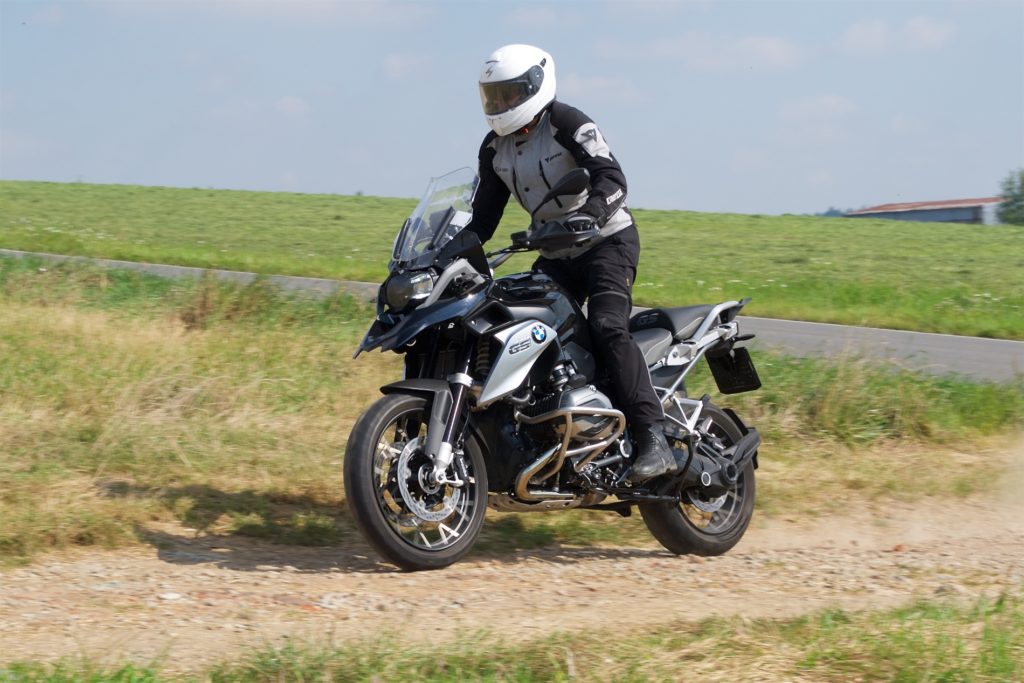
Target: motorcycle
503,405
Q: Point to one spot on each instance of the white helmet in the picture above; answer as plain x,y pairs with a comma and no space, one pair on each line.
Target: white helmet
516,83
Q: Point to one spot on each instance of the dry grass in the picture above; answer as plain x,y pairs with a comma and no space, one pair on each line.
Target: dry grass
126,400
818,477
108,422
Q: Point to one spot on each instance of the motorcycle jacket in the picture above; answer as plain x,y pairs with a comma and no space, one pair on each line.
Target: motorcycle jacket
527,163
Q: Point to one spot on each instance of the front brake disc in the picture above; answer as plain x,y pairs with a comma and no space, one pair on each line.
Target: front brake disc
421,499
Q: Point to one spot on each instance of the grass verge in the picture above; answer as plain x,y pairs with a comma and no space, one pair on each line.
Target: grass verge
127,399
926,641
929,277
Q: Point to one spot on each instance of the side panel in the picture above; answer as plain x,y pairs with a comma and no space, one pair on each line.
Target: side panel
521,345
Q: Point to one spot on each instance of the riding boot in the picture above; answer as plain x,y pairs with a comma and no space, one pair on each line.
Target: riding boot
654,455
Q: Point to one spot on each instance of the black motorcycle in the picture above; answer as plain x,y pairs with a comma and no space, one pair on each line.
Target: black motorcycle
502,403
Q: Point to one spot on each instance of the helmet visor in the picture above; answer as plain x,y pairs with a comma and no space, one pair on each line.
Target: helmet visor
502,96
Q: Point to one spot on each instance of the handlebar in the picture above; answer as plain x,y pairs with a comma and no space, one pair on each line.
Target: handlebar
501,258
551,235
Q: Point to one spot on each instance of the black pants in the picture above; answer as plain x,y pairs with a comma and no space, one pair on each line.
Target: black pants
604,276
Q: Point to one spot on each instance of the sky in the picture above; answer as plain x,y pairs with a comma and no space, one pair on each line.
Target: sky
710,105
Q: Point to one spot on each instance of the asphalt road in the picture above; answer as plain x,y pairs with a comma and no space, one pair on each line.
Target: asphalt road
939,354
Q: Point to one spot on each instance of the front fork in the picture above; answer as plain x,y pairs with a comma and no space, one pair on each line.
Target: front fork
459,384
448,403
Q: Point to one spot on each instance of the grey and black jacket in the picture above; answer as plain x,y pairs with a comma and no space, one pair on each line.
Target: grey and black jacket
527,165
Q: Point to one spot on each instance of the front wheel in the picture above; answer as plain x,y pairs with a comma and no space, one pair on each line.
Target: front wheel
700,525
412,522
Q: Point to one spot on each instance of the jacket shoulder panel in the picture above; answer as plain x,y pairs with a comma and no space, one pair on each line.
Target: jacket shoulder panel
576,131
567,118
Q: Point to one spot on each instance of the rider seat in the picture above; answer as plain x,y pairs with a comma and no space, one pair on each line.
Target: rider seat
653,343
681,322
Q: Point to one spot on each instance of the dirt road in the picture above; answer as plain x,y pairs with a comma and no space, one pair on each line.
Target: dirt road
194,602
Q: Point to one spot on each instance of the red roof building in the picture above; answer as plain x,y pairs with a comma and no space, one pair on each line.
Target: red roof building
982,211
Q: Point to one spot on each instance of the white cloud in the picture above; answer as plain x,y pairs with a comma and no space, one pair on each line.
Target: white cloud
699,51
902,124
290,180
401,66
49,15
362,12
573,86
658,10
866,38
815,121
766,52
922,33
535,18
214,82
817,108
820,178
292,105
18,146
748,160
877,37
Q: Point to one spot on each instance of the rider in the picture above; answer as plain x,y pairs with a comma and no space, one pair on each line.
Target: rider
535,140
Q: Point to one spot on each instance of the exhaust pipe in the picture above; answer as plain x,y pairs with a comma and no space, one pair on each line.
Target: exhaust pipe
523,491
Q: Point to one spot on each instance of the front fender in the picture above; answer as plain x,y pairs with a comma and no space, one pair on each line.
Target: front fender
438,394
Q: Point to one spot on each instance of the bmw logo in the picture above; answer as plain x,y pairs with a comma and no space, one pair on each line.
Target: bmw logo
538,333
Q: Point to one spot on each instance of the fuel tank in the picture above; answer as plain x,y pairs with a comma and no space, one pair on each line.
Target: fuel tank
536,296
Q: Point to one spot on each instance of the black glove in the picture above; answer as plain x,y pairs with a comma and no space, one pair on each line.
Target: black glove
579,222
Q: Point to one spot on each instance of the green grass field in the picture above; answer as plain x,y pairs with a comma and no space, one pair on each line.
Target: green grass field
927,641
919,276
137,400
127,399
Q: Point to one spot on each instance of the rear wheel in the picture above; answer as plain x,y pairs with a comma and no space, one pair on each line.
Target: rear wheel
410,520
700,525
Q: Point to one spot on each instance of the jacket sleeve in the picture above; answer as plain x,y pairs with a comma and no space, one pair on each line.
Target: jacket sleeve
491,194
580,135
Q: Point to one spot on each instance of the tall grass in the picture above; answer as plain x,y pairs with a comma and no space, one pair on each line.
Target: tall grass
920,276
927,641
126,399
123,399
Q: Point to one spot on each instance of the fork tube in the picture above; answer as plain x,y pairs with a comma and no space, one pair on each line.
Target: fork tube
460,383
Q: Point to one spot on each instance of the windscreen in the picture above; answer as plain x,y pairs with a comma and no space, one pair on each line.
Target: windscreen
443,212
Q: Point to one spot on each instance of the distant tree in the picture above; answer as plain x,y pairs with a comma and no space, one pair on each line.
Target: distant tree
1011,209
834,212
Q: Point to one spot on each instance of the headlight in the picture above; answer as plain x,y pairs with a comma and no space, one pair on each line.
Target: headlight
402,288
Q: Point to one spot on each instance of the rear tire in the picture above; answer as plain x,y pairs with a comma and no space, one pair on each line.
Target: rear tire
685,528
412,524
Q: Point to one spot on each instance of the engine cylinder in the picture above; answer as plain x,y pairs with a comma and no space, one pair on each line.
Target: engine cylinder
587,426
